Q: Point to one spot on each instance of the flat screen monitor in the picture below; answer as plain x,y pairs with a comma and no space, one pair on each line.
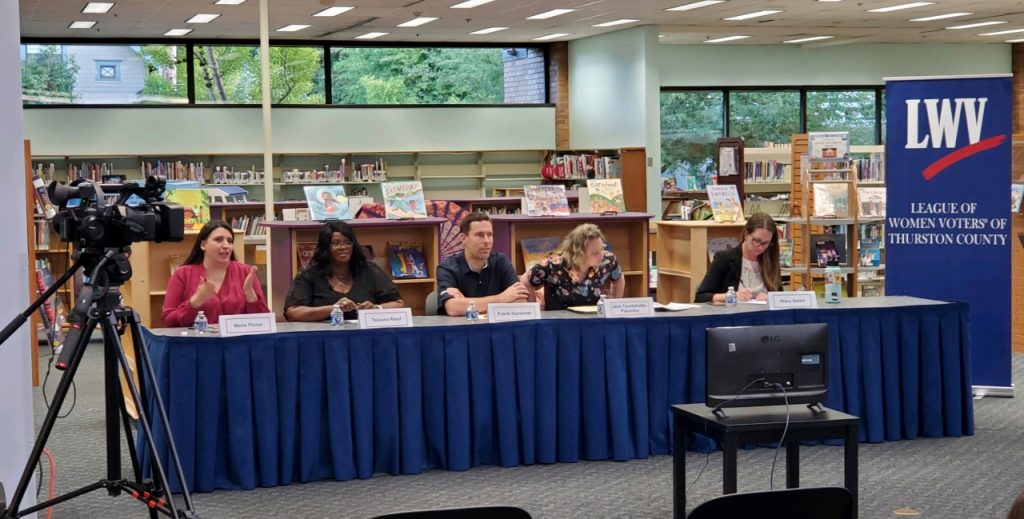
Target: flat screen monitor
746,365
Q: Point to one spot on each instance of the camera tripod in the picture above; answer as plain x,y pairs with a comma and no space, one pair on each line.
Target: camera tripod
99,302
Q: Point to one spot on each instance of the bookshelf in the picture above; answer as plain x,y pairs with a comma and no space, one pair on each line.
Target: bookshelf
683,255
151,270
374,232
767,176
627,235
628,164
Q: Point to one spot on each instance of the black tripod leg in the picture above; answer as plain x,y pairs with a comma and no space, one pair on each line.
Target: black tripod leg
112,394
146,373
51,418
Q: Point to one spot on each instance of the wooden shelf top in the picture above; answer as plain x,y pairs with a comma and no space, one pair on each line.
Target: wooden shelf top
355,222
574,217
701,223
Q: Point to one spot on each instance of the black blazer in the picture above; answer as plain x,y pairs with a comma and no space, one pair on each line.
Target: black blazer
724,273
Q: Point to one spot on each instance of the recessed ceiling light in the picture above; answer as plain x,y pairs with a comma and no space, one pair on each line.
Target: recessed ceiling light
1000,33
938,17
469,4
551,36
177,32
830,0
613,23
694,5
899,7
202,18
418,21
229,2
1018,40
333,11
371,35
726,38
550,14
975,25
489,30
810,38
292,28
662,35
756,14
97,7
82,25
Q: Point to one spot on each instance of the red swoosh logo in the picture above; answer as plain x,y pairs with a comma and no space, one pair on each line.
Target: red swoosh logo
986,144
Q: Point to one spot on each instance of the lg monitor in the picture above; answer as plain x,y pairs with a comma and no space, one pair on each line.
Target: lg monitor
767,365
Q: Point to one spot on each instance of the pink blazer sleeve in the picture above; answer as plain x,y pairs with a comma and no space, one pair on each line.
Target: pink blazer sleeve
177,310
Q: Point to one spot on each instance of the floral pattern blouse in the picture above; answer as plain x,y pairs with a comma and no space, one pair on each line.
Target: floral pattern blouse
560,292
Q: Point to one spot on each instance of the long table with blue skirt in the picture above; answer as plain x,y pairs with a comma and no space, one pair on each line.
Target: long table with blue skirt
312,402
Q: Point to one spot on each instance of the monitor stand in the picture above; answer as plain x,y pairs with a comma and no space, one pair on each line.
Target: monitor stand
816,408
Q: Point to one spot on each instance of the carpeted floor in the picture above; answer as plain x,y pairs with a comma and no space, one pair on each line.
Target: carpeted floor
954,478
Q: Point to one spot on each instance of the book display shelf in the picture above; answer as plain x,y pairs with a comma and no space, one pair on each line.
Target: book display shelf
683,255
766,180
628,164
288,238
626,233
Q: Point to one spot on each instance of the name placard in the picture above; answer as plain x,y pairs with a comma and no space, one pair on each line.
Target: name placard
508,312
629,307
385,318
789,300
246,324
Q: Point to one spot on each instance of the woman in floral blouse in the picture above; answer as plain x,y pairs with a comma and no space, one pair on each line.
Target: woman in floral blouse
578,273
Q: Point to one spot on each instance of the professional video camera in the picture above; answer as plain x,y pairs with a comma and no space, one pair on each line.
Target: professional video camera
87,218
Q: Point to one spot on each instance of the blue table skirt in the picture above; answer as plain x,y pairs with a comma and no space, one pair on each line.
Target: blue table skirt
276,409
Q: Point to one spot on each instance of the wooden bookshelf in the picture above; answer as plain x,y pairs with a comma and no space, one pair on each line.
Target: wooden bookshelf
683,256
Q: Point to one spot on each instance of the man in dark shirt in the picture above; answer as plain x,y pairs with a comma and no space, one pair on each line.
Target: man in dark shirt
478,274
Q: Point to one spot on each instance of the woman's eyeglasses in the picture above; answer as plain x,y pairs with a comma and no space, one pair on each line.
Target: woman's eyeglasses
341,244
759,243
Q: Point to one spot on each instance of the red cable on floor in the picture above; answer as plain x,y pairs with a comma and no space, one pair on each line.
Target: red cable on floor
53,482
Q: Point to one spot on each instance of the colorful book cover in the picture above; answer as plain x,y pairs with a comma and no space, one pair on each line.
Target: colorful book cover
1016,193
606,196
831,200
546,200
195,202
725,203
871,201
871,257
407,261
786,253
327,202
304,253
870,235
404,200
716,245
829,248
536,249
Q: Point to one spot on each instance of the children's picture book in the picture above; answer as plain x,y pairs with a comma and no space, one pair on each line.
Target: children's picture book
871,201
829,248
304,253
327,202
536,249
1016,193
831,200
546,200
404,200
196,204
716,245
870,257
786,253
725,203
870,235
606,196
407,261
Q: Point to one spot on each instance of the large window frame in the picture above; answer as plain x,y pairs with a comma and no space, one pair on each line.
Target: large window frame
190,46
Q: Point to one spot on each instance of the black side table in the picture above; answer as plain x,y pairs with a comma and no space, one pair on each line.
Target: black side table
760,425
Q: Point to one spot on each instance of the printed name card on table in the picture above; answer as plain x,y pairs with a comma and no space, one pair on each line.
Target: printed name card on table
246,324
629,307
789,300
508,312
385,318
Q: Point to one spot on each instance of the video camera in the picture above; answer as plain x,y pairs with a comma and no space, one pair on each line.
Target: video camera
91,220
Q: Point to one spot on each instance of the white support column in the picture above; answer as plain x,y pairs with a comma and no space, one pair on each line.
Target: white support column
268,157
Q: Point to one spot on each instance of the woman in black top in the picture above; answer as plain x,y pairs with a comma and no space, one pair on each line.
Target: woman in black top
339,274
752,269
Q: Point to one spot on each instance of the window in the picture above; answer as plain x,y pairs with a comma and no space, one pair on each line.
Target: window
763,116
843,110
691,122
437,75
108,70
231,75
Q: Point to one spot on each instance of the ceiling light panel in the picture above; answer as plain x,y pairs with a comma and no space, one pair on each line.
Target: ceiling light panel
229,2
694,5
333,11
488,30
551,36
202,18
82,24
416,22
469,4
550,14
293,27
976,25
1000,33
613,23
810,38
97,7
371,35
939,17
177,32
726,38
756,14
899,7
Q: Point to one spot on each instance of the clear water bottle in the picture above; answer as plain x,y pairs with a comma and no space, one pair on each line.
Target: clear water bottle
833,283
200,324
472,314
337,316
730,298
600,305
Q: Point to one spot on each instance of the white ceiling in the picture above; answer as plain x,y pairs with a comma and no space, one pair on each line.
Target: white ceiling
847,21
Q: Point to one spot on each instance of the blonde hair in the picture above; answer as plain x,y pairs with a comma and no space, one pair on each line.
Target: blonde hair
573,250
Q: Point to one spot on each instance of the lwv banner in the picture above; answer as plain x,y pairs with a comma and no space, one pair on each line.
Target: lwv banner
948,223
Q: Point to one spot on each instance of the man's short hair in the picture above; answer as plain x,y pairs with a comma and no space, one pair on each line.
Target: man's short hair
476,216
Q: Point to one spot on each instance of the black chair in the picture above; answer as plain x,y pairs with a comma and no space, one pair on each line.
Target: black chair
790,503
479,512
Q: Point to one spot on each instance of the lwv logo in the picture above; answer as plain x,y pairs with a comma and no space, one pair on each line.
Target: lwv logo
944,116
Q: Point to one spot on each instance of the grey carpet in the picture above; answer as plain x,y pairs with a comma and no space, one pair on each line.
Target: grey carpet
955,478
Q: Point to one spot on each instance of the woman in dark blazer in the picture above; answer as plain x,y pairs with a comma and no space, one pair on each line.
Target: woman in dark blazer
752,269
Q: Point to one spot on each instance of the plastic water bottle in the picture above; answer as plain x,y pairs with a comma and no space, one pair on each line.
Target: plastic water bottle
833,283
730,298
337,316
200,324
600,305
472,314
